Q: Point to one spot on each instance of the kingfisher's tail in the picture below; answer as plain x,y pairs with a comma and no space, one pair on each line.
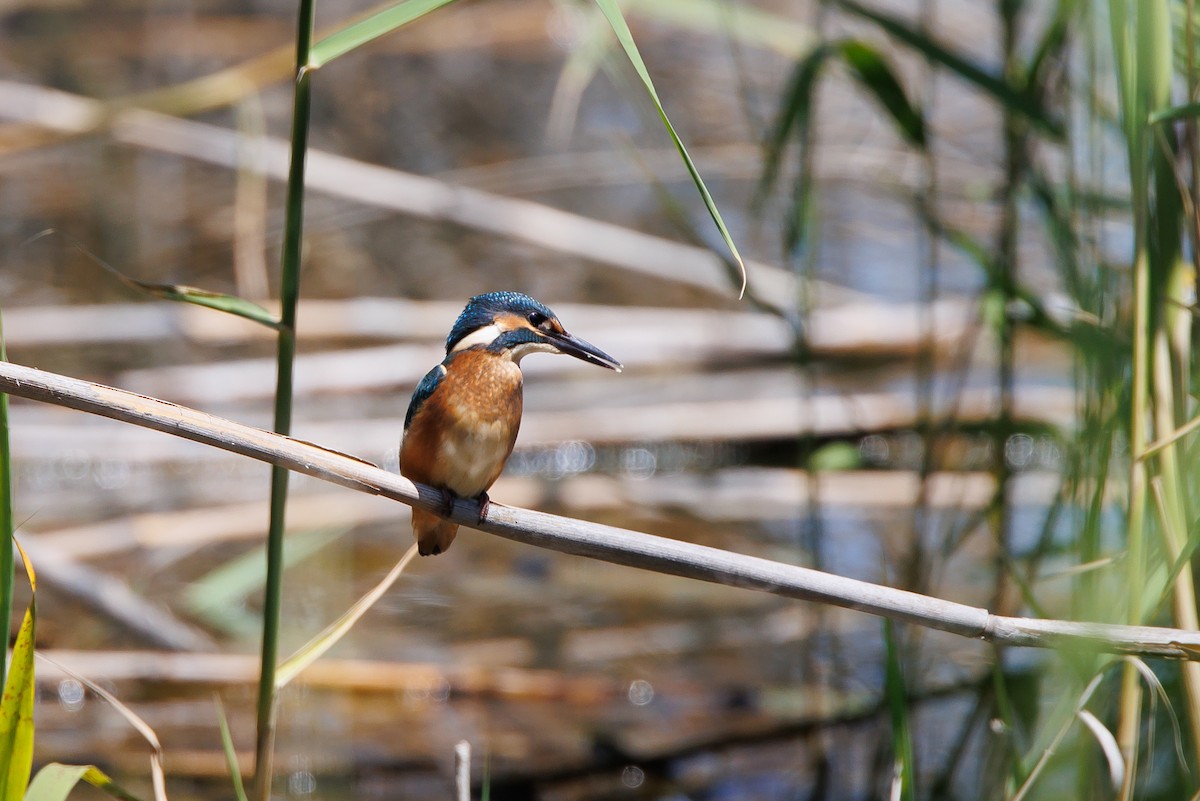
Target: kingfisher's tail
434,534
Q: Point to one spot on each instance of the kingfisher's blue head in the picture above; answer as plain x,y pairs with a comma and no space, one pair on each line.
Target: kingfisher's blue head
515,325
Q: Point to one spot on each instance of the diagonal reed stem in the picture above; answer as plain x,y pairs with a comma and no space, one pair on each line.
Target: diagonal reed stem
289,295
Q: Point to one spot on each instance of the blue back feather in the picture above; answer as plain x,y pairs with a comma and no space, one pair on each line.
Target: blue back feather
424,389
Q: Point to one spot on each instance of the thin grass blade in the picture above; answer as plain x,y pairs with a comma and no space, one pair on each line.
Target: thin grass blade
1160,692
1108,745
615,19
368,29
313,650
904,773
748,26
16,707
235,772
143,728
1049,748
1184,111
230,304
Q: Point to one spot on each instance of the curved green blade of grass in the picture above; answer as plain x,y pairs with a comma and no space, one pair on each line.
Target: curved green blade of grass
235,772
316,647
613,14
1015,98
55,781
1175,113
369,28
16,706
895,689
230,304
157,775
750,27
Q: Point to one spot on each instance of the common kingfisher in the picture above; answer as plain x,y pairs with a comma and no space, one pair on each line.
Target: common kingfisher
464,415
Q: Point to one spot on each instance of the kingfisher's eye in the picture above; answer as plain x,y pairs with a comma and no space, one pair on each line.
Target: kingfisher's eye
536,318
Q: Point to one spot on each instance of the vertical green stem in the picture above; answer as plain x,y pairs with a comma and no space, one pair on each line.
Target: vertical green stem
1129,719
289,295
6,526
1006,279
1141,45
1175,525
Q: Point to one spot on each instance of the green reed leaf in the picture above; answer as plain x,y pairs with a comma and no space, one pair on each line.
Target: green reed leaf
749,27
872,71
876,75
230,304
795,109
1174,113
613,14
1016,98
369,28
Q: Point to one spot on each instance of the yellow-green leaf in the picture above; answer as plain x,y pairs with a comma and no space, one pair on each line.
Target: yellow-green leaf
55,782
313,650
16,706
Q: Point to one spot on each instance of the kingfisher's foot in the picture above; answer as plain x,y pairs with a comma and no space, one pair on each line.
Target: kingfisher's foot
485,503
448,499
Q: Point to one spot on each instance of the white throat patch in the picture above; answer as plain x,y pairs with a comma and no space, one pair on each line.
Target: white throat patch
526,348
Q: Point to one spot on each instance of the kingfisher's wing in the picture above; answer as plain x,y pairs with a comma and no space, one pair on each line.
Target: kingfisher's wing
424,389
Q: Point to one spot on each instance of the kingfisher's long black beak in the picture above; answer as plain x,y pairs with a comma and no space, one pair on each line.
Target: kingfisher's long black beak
574,346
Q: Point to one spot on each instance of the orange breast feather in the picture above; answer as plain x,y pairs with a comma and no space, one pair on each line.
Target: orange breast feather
464,432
